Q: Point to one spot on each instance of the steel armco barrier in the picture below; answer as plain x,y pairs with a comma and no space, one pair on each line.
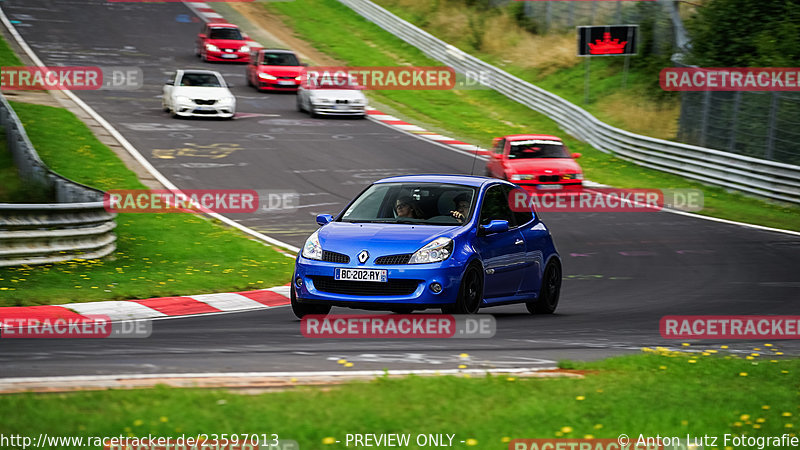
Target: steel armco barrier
76,226
760,177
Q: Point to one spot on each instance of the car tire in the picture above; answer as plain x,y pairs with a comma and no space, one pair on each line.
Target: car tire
470,293
301,310
299,104
312,113
549,292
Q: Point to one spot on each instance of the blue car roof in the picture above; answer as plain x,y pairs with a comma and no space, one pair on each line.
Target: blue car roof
466,180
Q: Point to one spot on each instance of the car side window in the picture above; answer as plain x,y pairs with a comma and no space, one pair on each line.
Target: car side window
521,217
496,207
498,148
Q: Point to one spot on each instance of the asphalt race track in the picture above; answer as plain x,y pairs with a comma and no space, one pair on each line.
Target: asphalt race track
623,271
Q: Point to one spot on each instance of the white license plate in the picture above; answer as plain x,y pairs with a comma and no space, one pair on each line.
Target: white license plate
204,108
375,275
229,55
341,107
290,82
549,187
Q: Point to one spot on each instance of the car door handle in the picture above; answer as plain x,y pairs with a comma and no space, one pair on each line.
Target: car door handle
519,242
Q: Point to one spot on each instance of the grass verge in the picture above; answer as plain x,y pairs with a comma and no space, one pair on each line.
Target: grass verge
661,393
13,189
157,254
7,56
479,115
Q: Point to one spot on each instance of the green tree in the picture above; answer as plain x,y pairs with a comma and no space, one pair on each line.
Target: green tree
746,33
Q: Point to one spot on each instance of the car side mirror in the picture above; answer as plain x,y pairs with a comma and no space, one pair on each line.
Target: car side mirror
494,227
201,35
576,155
323,219
304,64
170,83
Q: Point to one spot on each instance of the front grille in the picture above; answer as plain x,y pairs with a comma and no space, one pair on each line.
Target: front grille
204,102
203,111
343,102
335,257
393,259
365,288
549,178
286,78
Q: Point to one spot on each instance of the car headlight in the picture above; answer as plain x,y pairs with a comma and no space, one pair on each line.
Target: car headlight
244,48
183,99
321,100
572,176
437,250
298,78
226,100
212,48
312,249
518,176
266,76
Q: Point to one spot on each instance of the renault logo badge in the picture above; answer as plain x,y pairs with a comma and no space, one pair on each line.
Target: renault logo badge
363,256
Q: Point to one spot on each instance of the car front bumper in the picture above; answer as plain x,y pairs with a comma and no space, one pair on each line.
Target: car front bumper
227,56
407,284
205,111
340,109
274,85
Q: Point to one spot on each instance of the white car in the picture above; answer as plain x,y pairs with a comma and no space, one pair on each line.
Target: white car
340,97
198,93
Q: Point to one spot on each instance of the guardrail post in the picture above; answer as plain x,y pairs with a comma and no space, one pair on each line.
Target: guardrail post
704,117
773,115
737,103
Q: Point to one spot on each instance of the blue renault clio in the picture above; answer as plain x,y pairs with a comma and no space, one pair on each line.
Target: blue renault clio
429,241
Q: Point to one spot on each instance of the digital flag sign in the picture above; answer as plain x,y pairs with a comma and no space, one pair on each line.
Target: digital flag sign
607,40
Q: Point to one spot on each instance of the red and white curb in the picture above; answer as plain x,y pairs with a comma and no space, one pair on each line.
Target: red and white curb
156,307
420,132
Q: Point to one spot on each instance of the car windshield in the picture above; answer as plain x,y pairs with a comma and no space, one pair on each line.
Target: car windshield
280,59
200,80
315,80
413,203
537,148
231,34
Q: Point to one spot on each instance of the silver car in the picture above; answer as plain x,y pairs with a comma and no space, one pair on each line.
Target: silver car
336,97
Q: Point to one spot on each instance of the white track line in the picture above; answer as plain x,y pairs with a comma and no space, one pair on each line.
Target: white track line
326,373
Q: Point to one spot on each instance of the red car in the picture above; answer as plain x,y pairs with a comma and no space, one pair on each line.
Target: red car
274,70
535,162
222,42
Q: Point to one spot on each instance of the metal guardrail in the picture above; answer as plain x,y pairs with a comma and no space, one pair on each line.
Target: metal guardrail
76,226
760,177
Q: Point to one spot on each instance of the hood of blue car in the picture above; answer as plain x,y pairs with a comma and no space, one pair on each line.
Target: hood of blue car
378,238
